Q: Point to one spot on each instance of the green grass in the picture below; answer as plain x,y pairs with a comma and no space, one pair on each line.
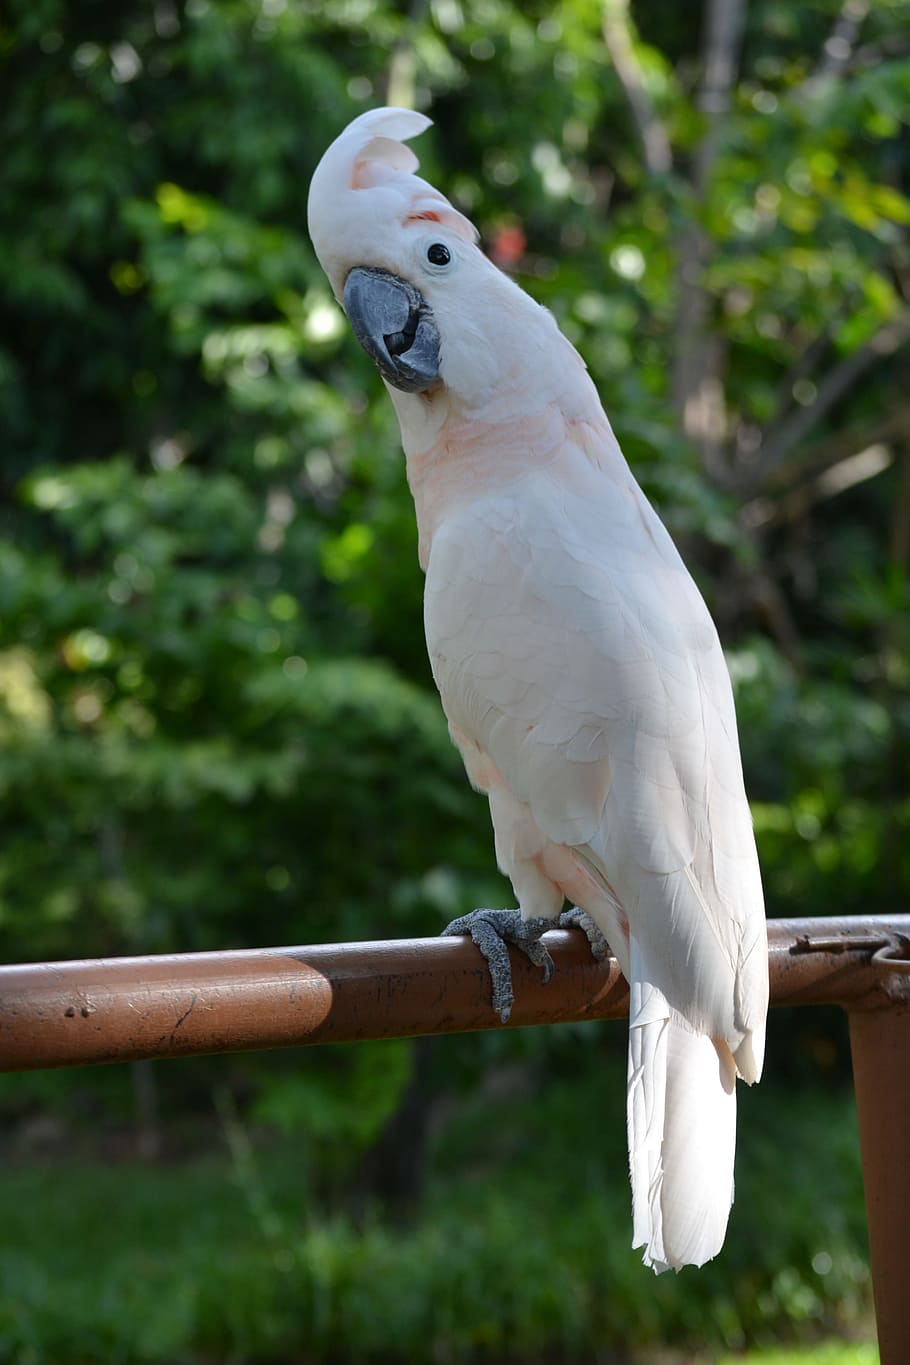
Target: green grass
521,1250
830,1353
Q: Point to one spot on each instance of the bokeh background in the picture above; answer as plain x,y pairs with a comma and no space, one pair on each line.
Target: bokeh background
217,725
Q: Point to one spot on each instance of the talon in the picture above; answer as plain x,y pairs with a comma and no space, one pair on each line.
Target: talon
490,931
576,918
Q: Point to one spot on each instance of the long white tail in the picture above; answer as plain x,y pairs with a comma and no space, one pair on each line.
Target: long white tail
681,1101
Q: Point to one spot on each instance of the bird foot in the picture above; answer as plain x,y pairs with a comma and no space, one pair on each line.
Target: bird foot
491,930
576,918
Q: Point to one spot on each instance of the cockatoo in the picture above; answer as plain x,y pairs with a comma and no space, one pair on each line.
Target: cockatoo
578,667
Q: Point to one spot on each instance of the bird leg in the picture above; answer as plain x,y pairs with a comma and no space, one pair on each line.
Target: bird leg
491,930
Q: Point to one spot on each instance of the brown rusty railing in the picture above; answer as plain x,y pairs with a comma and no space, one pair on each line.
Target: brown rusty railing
126,1009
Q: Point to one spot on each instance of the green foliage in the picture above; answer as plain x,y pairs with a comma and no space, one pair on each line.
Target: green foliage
234,1260
209,607
337,1106
829,1354
217,725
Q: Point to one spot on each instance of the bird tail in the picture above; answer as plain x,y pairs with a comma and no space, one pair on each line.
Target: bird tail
681,1109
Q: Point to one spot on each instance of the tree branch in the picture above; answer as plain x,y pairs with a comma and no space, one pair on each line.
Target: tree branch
782,438
696,388
837,478
870,54
807,359
617,34
401,80
772,603
838,46
899,540
830,451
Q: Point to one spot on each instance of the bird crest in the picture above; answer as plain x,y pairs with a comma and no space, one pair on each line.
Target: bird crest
367,177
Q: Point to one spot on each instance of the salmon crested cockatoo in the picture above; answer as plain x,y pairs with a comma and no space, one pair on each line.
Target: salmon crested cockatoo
578,666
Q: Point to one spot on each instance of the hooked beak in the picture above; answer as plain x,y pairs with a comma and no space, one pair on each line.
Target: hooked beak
394,325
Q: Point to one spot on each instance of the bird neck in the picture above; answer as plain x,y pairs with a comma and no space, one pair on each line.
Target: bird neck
454,460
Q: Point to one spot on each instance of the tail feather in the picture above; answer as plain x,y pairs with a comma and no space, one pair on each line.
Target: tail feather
682,1132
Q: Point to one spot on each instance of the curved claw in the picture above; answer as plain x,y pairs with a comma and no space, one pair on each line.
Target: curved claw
576,918
491,930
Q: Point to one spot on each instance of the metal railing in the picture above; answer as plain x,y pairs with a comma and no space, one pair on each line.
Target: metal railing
127,1009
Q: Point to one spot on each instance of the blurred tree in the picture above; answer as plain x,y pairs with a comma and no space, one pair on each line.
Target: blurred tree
210,606
217,725
216,720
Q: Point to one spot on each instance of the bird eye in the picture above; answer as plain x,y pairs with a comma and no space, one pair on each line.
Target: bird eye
438,254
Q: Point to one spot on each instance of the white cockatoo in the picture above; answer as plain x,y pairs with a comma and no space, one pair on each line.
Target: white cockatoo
578,667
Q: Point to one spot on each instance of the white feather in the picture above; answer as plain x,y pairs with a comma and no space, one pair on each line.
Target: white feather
583,681
681,1111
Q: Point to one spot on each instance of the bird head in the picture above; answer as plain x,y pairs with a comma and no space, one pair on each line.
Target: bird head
430,309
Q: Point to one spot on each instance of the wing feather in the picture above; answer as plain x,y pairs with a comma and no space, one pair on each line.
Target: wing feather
570,644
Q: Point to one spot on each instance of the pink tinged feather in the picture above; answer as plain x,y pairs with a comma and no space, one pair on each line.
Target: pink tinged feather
582,678
378,161
364,193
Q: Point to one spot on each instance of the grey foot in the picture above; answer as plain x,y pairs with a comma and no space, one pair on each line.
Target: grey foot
576,918
491,930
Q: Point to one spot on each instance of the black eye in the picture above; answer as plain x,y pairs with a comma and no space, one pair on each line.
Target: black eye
437,254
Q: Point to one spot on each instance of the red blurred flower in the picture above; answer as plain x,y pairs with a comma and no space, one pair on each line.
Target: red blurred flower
508,246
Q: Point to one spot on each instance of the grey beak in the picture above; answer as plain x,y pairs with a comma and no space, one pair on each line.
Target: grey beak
394,325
